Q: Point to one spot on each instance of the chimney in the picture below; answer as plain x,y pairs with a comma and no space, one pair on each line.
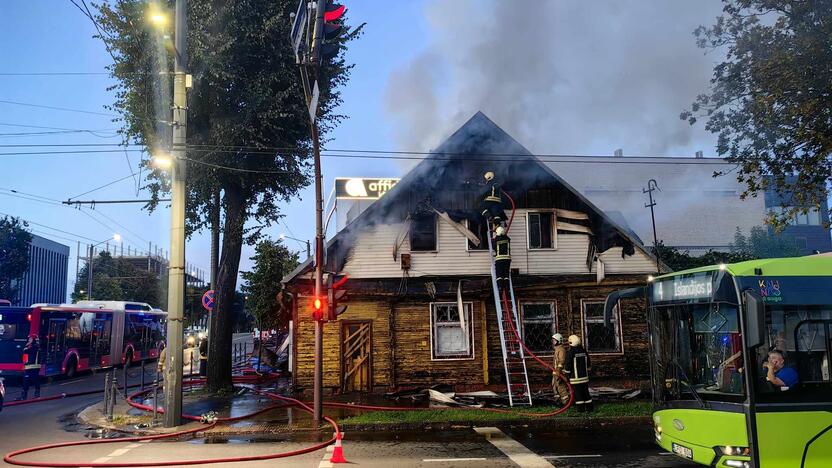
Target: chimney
699,155
619,153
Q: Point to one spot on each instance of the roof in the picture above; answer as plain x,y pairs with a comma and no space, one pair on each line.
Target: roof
812,265
479,140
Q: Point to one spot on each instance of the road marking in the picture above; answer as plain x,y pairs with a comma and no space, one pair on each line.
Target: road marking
515,451
555,457
118,452
660,453
102,459
452,459
68,382
132,446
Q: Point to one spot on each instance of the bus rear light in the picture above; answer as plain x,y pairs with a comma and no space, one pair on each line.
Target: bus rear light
29,317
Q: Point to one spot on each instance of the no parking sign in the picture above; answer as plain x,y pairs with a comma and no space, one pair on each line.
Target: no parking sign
208,300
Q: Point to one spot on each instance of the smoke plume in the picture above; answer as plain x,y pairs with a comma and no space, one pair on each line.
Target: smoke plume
560,76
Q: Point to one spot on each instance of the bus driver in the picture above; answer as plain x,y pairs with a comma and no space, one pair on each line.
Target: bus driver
777,373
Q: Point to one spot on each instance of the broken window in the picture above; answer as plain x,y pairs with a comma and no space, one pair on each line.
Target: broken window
599,338
541,230
423,233
538,326
480,228
451,338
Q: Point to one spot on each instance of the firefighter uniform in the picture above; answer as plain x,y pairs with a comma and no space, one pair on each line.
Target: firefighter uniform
491,201
203,357
31,367
558,385
577,368
502,257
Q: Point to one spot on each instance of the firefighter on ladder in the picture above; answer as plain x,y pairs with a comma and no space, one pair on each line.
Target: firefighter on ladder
558,385
31,367
491,204
502,258
577,368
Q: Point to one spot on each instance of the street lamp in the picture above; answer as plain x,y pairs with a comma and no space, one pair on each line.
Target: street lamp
117,238
308,246
157,16
162,161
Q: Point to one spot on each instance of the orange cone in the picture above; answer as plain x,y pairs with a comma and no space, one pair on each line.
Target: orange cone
338,452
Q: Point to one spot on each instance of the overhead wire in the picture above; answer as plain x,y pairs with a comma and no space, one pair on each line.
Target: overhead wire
64,109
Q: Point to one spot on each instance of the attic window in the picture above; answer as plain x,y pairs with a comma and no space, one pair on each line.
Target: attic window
423,233
541,230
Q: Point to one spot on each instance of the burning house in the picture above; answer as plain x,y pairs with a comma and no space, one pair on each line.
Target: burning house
411,268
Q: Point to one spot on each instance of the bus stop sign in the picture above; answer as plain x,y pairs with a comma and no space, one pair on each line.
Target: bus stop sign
208,300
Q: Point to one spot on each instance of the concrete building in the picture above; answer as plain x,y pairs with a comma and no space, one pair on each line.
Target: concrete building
46,279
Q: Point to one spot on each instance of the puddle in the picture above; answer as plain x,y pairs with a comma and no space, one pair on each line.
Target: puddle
69,422
248,439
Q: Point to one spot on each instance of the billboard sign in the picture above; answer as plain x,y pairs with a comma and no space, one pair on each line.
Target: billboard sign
358,188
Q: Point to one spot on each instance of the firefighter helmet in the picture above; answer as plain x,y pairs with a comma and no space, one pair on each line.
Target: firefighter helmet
558,337
499,231
574,340
489,176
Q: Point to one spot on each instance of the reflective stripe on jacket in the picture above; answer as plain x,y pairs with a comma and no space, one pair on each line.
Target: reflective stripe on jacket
493,195
577,365
502,248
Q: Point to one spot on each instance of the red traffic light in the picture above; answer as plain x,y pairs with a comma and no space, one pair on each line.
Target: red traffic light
318,308
317,303
335,13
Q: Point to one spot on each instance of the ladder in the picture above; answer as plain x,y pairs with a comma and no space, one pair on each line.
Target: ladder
514,359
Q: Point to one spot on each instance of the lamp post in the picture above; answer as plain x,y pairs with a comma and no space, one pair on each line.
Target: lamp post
117,238
308,245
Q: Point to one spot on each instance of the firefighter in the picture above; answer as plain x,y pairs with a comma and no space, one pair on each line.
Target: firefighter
558,385
203,357
502,257
491,204
31,367
577,368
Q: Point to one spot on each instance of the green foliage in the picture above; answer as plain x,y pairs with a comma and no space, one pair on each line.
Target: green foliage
769,100
116,279
14,255
760,243
272,260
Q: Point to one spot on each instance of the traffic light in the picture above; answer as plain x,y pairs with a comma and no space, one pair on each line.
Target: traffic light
335,294
317,308
333,27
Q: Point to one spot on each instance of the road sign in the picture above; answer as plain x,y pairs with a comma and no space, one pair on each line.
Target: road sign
298,28
208,300
313,103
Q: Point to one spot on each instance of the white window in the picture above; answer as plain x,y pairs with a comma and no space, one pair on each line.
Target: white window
539,324
451,338
541,227
599,338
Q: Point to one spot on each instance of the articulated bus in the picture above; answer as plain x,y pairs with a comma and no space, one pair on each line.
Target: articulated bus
711,330
82,336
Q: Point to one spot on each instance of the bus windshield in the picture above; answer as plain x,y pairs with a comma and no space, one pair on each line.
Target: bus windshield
697,351
14,328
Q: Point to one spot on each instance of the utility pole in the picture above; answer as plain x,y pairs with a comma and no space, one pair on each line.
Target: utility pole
652,185
176,276
215,253
89,273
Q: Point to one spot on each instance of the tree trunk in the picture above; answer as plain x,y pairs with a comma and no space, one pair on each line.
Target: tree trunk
222,323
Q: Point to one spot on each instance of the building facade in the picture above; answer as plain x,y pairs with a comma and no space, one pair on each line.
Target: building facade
46,279
410,267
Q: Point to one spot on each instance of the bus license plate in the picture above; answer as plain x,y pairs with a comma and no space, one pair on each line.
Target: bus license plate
682,451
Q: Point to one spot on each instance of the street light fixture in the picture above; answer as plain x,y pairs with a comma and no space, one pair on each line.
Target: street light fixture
162,161
308,245
116,237
157,17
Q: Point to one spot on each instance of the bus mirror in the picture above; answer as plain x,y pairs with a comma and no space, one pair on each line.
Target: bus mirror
613,298
755,319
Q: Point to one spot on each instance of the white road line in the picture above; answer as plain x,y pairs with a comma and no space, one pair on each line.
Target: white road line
453,459
118,453
69,382
132,446
102,460
513,449
555,457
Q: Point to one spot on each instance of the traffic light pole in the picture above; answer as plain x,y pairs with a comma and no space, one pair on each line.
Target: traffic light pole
176,275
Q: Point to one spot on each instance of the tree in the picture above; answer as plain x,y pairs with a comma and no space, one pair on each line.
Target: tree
248,132
116,279
761,243
770,98
272,261
14,255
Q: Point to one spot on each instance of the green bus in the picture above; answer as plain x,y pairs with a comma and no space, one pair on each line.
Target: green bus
711,330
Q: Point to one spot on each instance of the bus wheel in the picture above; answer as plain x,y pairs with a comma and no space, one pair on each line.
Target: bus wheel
71,368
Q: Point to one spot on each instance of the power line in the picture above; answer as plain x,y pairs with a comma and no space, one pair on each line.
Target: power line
65,109
236,169
53,73
50,227
101,187
47,153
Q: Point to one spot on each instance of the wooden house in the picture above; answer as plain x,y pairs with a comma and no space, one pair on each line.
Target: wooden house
407,265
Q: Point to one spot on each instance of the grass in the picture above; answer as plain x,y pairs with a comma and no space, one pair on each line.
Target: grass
460,415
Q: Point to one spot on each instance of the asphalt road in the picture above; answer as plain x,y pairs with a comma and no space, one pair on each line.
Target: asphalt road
53,421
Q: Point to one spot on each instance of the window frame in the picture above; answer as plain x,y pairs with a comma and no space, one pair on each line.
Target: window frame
436,235
465,239
553,305
616,318
472,351
554,232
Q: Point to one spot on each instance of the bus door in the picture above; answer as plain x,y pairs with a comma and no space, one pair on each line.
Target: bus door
55,345
100,342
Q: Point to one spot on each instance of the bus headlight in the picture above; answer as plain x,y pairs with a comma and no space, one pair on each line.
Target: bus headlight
738,463
735,451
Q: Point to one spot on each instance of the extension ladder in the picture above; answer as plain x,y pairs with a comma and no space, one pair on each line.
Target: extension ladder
514,359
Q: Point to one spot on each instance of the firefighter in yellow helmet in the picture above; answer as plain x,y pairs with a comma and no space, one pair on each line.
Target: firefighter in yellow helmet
491,201
502,257
558,385
577,368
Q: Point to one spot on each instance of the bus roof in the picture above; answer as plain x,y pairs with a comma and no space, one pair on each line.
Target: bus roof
812,265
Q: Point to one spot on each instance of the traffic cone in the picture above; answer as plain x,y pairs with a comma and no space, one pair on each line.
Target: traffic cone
338,452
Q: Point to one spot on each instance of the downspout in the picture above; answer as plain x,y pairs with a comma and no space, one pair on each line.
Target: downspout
391,326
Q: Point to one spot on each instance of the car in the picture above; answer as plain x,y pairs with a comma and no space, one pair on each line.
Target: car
2,394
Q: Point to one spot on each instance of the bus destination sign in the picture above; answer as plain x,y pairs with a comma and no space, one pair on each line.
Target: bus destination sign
689,287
